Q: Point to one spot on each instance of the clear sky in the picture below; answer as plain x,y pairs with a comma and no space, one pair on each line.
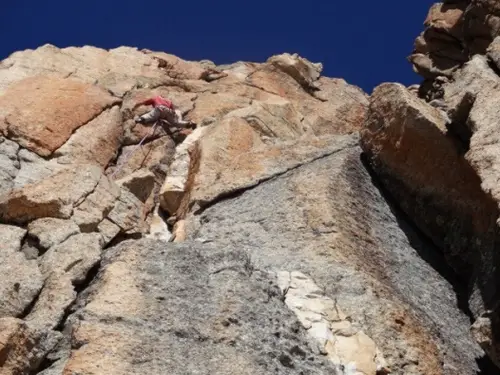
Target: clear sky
365,42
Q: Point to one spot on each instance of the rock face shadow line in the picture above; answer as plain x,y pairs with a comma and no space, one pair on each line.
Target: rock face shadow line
423,245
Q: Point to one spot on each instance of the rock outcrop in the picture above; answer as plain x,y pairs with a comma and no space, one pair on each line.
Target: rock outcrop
436,152
259,242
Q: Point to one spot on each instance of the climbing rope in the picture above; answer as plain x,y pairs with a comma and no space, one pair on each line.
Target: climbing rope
130,153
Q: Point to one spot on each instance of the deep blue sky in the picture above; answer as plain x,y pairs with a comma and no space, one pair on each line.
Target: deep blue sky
365,42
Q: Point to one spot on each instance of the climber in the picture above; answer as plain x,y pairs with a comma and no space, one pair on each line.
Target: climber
162,109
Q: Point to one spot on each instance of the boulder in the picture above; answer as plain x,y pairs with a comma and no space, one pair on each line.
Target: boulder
446,18
140,183
272,79
175,67
55,196
21,279
456,32
239,70
128,212
33,168
97,142
97,205
73,258
49,231
108,230
41,112
460,92
481,25
408,145
299,68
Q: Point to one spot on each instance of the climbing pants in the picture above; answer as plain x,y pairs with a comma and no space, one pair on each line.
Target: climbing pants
174,118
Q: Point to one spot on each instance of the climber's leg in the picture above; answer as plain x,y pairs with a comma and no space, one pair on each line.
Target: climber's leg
167,115
174,118
150,116
178,121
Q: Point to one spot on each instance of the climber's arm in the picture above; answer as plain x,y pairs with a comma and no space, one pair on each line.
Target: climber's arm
145,102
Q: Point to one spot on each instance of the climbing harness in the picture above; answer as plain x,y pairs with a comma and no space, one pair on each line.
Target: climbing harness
130,153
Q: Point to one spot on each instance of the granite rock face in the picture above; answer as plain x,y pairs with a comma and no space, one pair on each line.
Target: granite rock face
328,212
258,242
436,152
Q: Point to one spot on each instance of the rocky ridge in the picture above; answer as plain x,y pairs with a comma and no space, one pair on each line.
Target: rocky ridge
302,228
434,148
